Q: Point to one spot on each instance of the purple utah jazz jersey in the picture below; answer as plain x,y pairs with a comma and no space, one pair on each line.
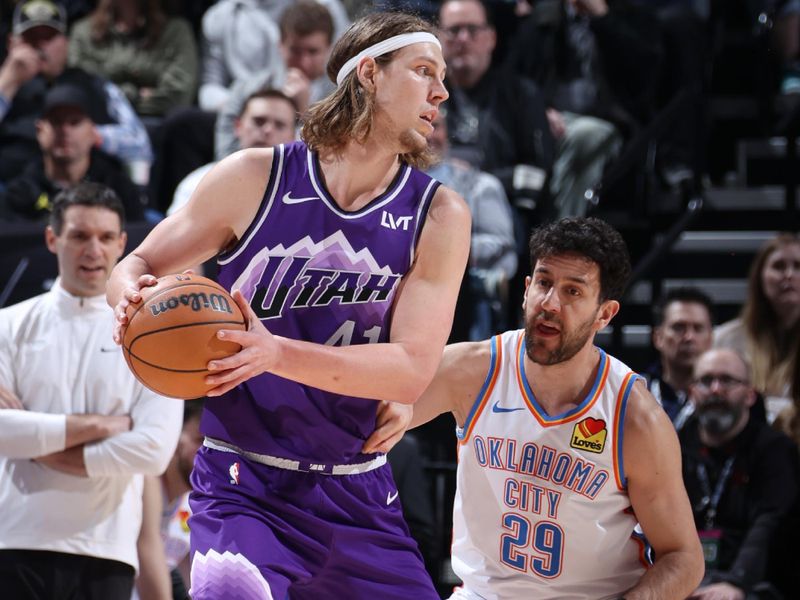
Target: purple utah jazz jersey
314,272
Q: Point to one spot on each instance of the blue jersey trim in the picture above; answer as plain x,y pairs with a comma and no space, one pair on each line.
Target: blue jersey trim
541,413
481,397
620,429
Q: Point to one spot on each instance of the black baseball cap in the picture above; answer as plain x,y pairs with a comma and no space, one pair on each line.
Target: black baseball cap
66,94
34,13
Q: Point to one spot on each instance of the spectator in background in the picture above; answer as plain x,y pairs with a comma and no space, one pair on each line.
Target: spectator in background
741,477
240,39
306,30
767,333
151,57
682,330
596,63
187,137
786,38
493,257
77,430
788,421
496,119
268,118
37,61
67,137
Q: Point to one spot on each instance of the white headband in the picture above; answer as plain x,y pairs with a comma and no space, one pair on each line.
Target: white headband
384,47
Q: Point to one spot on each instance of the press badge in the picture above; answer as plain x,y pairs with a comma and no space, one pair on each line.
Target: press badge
710,541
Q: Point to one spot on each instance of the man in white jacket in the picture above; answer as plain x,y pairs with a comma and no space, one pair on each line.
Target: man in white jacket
77,431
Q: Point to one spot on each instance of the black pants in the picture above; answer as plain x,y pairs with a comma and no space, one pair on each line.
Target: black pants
41,575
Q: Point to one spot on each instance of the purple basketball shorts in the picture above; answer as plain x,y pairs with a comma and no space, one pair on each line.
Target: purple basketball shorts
264,533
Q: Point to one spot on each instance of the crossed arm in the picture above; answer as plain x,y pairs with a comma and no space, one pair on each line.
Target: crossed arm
51,438
91,445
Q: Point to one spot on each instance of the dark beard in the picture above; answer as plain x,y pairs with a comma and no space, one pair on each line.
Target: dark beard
571,343
717,416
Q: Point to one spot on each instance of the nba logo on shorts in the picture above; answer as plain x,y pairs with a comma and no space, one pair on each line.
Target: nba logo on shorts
234,473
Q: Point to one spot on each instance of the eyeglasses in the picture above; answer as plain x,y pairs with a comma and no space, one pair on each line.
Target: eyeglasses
471,30
725,382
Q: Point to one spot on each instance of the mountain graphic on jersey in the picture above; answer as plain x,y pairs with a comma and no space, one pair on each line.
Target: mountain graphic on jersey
308,274
589,435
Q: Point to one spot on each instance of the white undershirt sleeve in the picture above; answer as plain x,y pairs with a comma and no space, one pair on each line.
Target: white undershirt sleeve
25,434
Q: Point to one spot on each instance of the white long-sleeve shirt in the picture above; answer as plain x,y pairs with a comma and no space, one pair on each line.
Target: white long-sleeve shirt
58,357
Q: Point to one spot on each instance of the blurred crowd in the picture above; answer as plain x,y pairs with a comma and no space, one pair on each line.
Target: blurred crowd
552,103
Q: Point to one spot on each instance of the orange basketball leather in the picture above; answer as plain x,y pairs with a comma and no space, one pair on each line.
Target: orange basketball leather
171,334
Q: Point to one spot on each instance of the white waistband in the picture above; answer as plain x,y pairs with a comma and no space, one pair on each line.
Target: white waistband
296,465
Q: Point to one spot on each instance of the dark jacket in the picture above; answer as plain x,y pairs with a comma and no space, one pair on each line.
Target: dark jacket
30,195
759,495
512,125
18,145
628,55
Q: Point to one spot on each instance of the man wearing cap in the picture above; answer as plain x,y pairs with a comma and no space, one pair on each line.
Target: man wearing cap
67,136
37,58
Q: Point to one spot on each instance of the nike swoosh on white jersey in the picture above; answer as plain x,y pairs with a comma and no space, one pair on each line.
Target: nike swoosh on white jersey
390,497
287,199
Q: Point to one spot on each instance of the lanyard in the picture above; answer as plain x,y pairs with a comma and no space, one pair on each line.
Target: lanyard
710,500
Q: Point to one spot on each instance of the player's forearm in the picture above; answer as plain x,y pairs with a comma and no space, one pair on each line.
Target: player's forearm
387,371
674,576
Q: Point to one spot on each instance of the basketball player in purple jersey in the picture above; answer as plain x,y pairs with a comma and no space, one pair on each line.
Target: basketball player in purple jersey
347,261
562,450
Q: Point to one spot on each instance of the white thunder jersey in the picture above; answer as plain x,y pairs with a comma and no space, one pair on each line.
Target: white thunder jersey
541,508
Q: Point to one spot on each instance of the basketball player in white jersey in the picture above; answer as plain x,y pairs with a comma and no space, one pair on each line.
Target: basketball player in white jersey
562,450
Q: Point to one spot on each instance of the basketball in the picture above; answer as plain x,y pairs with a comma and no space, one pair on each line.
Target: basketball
172,334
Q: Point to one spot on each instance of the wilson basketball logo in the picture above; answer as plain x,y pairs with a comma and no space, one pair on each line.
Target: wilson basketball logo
197,302
589,435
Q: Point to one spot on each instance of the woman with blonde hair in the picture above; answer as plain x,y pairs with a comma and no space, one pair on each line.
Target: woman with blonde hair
768,330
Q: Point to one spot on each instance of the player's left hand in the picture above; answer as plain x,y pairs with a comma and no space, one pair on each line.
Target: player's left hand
260,351
391,423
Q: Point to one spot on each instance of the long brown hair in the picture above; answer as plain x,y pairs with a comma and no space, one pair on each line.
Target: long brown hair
348,112
772,348
103,17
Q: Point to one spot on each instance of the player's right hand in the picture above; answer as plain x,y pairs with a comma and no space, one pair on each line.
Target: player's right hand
391,422
130,295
